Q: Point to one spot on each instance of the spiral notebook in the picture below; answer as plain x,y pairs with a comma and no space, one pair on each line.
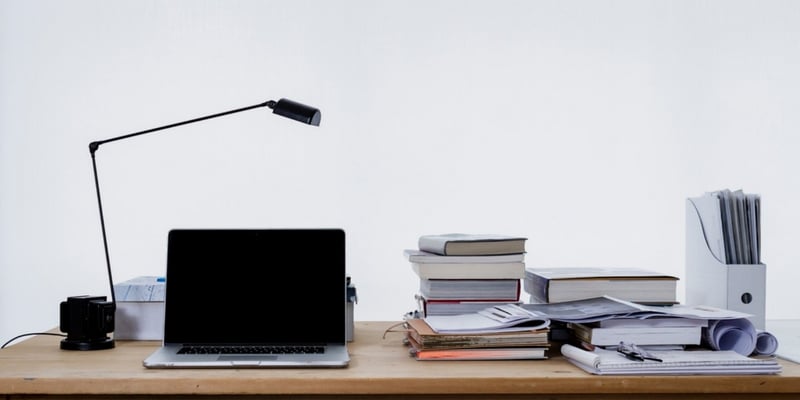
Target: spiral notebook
672,362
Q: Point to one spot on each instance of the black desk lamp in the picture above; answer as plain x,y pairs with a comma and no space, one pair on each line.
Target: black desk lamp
87,319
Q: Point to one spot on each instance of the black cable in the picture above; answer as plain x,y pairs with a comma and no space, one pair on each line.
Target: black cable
31,334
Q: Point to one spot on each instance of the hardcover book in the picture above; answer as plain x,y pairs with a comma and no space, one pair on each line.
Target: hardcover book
553,285
465,244
469,271
507,290
454,307
425,257
433,266
674,335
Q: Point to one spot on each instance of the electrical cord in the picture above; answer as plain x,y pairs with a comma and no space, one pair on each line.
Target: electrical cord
31,334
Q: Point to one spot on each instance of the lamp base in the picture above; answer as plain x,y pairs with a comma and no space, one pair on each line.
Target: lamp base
87,320
83,345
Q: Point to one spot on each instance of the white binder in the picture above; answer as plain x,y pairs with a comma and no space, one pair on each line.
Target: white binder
709,281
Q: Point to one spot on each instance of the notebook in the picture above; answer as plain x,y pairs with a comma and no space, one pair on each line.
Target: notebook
257,298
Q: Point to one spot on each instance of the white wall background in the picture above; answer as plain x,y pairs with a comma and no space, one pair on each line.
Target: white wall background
582,125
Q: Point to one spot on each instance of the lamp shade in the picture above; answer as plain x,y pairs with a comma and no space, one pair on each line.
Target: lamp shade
296,111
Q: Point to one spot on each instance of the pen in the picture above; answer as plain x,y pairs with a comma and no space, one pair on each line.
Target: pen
651,358
630,355
633,353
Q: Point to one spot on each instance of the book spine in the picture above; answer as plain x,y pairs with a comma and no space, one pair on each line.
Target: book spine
538,288
581,332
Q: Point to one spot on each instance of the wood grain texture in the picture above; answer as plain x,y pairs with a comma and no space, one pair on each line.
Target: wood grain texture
379,368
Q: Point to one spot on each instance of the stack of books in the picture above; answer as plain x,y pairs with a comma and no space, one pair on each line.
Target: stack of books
465,273
426,344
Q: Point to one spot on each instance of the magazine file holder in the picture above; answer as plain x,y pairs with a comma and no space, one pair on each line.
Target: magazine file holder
711,282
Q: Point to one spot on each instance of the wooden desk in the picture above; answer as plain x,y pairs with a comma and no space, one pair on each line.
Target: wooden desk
380,368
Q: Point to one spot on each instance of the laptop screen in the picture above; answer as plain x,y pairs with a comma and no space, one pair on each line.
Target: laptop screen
255,286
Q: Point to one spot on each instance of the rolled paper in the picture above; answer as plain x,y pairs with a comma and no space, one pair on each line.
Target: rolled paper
766,344
737,334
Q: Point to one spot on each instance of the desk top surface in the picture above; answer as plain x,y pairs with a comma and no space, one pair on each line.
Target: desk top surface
379,366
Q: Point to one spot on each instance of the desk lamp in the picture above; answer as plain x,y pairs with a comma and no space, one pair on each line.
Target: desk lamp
87,319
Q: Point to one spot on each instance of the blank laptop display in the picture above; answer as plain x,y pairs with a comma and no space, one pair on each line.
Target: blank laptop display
255,298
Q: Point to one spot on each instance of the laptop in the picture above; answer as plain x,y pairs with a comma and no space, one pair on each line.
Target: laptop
254,298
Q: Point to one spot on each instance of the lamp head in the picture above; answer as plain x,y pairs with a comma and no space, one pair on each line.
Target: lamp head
296,111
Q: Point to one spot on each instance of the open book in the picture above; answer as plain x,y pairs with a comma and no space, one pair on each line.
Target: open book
500,318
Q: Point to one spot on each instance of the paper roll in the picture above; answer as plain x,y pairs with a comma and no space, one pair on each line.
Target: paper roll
737,334
766,344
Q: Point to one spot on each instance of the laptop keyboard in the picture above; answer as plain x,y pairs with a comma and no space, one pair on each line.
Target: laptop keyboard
250,349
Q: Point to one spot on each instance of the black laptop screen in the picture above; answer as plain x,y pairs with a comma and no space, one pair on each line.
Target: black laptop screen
255,286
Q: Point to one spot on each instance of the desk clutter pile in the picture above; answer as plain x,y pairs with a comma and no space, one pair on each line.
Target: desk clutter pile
603,320
462,274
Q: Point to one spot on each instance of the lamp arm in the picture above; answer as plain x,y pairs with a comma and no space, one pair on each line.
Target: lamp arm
93,146
103,229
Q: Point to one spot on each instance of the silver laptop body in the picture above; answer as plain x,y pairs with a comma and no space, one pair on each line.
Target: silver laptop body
254,298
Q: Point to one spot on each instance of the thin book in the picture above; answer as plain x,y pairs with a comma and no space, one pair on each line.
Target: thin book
479,354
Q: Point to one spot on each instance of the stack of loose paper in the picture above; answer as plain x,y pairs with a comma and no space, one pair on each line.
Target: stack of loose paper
732,225
674,362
